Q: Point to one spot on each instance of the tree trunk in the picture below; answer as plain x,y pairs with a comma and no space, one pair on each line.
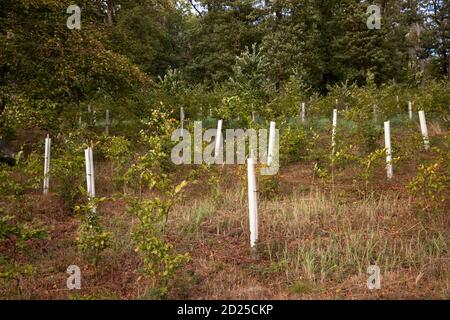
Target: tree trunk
110,12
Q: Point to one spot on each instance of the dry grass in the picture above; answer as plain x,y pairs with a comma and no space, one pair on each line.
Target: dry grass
312,246
436,129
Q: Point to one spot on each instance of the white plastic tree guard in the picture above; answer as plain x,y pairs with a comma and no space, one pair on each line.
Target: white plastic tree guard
303,112
387,144
271,149
333,133
90,176
410,110
48,143
424,129
218,139
88,170
252,202
182,117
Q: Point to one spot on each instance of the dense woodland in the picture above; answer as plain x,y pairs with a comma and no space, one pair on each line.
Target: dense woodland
156,230
124,48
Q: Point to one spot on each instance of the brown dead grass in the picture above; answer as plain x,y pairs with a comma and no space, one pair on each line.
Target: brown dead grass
216,236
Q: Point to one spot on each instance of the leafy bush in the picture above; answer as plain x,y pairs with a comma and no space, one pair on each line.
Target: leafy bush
117,151
368,165
68,168
14,237
15,231
295,144
24,177
156,161
92,239
269,187
368,135
159,263
430,187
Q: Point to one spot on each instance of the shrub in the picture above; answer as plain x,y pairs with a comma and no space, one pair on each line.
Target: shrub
269,187
117,152
159,263
14,237
68,168
430,187
92,239
295,144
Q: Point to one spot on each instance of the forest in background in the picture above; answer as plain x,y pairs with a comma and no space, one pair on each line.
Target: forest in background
128,54
111,95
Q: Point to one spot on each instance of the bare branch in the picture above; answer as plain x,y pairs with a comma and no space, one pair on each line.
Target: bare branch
195,8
